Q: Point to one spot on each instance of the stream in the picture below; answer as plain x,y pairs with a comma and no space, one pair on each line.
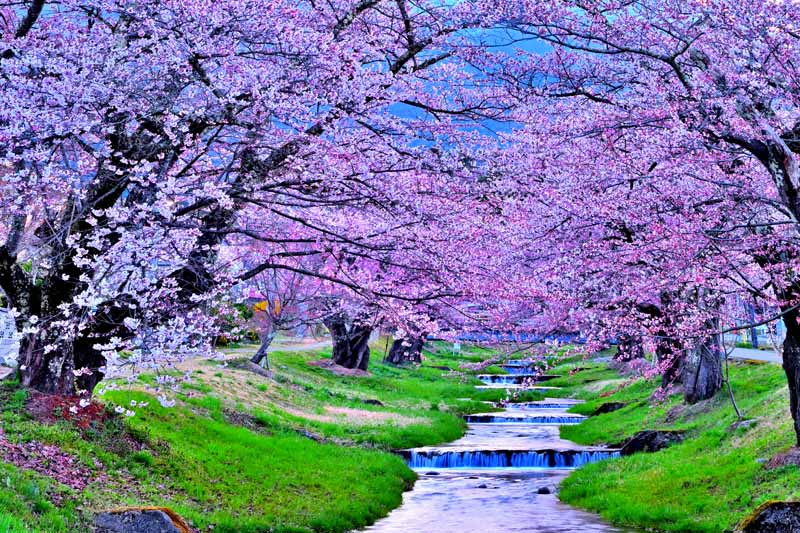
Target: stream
490,479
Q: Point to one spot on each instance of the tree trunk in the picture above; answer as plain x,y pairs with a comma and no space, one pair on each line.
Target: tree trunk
50,372
406,350
350,341
751,311
702,369
261,354
670,350
86,356
352,349
629,348
791,365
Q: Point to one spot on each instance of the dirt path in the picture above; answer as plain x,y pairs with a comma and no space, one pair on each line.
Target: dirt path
287,345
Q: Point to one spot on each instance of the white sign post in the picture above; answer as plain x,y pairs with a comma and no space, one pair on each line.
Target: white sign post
9,340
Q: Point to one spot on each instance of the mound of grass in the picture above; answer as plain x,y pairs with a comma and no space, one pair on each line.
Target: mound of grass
410,405
707,483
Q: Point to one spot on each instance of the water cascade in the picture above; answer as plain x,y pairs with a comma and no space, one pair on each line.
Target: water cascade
514,386
520,363
539,405
443,458
518,451
490,418
517,377
507,378
519,369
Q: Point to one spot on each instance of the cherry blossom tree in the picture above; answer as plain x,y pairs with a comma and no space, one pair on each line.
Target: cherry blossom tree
285,301
697,103
605,254
140,140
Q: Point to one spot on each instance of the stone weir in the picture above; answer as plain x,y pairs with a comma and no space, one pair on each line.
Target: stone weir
454,458
514,386
547,403
520,362
519,369
515,378
523,417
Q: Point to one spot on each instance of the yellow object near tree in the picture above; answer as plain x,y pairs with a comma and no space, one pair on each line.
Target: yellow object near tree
263,306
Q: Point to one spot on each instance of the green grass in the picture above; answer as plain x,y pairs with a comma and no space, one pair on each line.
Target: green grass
709,482
25,504
423,393
26,498
244,453
216,473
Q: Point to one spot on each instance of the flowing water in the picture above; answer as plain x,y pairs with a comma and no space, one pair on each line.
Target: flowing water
525,416
488,481
521,375
506,386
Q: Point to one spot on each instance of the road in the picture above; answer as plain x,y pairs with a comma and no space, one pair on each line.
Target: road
768,356
287,344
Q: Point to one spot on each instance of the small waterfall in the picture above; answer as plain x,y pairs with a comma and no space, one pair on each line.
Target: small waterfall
515,377
543,419
527,371
504,458
520,362
539,405
506,378
517,369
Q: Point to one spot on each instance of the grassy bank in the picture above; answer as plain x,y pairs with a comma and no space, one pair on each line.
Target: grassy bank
707,483
308,450
304,451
